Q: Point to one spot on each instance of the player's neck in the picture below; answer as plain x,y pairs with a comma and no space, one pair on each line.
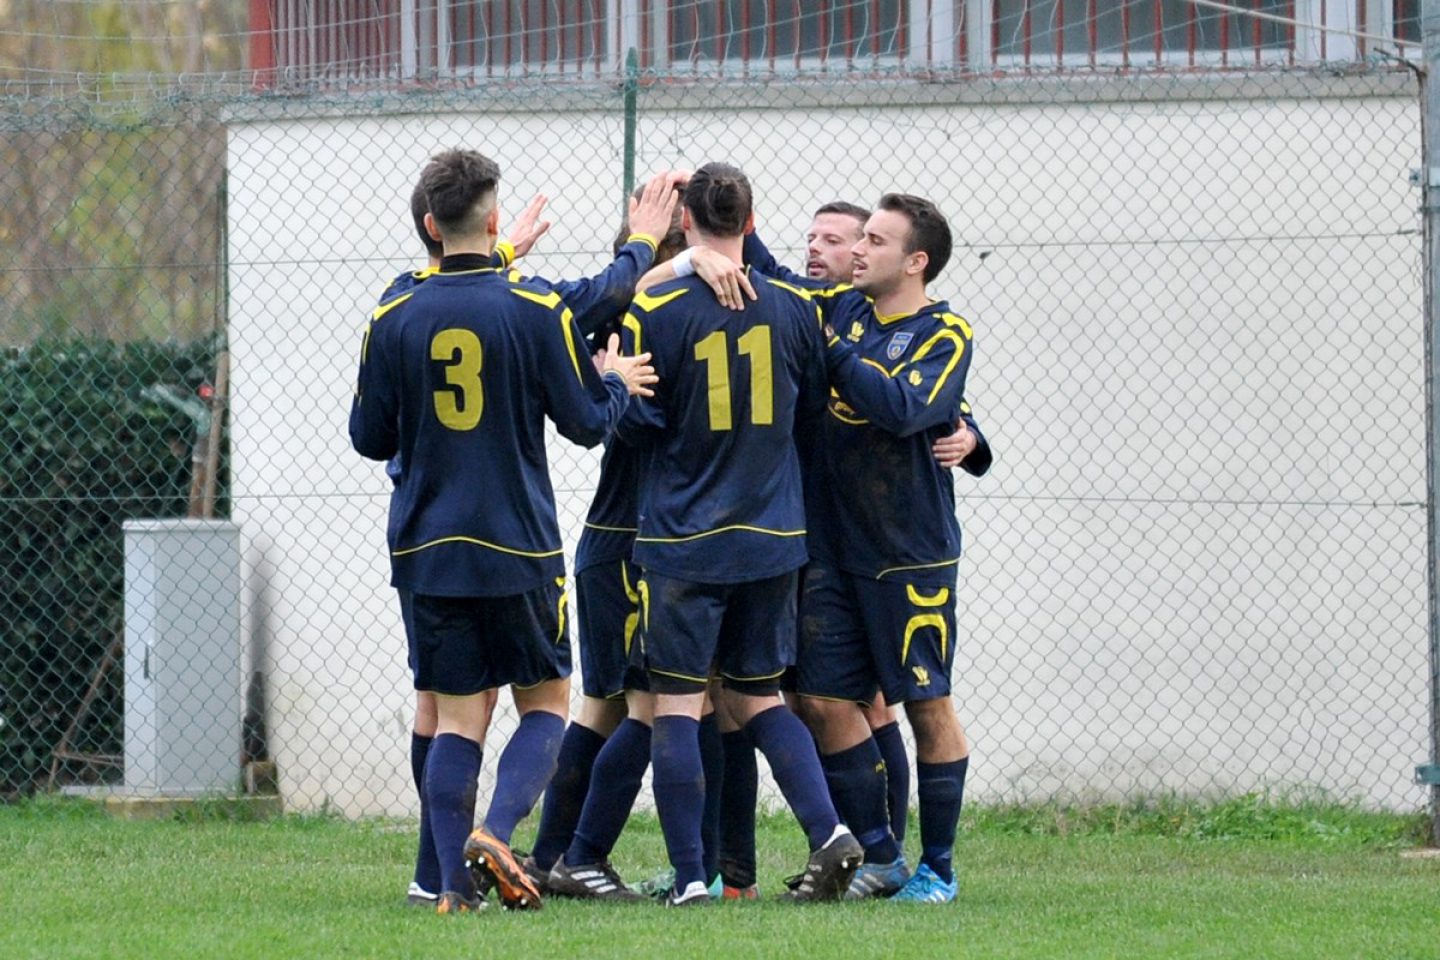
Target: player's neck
484,245
731,247
902,301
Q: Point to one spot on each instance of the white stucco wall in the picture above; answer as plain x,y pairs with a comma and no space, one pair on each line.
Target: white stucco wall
1198,563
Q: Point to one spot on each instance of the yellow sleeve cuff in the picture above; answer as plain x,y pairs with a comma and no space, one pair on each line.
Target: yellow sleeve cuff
644,238
505,250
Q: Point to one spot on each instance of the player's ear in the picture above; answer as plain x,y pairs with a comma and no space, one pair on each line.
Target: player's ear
492,222
684,218
431,228
919,260
749,227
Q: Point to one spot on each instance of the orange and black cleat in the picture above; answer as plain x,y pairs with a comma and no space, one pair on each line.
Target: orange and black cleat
451,902
487,853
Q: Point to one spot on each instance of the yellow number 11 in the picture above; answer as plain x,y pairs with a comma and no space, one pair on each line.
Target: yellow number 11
715,354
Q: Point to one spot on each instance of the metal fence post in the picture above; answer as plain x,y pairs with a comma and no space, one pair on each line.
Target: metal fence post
1429,772
632,87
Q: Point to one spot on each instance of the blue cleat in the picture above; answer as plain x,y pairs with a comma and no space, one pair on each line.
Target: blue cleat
927,887
878,880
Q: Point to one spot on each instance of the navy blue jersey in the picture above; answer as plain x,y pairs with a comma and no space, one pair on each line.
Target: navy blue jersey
597,301
720,497
457,378
826,294
613,520
878,502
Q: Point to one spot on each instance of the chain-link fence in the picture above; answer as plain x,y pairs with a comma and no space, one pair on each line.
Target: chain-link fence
1198,565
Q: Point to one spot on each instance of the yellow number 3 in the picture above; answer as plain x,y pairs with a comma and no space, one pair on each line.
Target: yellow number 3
461,353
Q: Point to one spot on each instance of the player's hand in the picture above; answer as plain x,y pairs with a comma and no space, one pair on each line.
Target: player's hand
723,275
528,227
949,451
653,212
636,370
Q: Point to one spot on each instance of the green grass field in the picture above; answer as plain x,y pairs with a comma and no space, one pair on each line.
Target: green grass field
1242,879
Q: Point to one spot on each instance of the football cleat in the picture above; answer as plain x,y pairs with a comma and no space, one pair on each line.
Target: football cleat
695,894
590,881
829,870
927,887
659,886
418,896
487,853
878,880
538,875
751,892
451,902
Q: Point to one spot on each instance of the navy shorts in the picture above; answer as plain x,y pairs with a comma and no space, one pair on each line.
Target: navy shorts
463,645
608,605
745,630
858,635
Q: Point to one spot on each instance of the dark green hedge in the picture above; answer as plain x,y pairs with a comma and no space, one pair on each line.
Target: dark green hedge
81,450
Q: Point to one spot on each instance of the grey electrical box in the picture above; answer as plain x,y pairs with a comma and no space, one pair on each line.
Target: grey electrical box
182,656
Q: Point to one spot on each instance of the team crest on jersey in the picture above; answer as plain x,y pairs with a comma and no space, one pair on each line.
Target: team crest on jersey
857,330
915,378
922,676
898,343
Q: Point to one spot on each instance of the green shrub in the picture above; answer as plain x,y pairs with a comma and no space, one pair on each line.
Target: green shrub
81,451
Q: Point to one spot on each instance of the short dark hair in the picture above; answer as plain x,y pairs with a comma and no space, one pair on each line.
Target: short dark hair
719,199
669,245
929,230
455,182
419,206
847,208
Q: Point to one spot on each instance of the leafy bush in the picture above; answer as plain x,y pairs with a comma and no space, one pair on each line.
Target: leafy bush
81,451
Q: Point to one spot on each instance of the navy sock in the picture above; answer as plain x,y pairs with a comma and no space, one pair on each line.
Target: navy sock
942,790
565,796
790,751
525,768
712,761
739,792
450,772
614,784
679,782
427,868
856,778
897,777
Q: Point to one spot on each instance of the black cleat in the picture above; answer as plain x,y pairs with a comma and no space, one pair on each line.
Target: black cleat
829,871
590,881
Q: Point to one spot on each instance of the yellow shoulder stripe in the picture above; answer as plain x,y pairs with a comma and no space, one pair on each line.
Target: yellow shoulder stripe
648,302
830,291
632,323
800,292
551,299
385,308
959,344
567,326
953,320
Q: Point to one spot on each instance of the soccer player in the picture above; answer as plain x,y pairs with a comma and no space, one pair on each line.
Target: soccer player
722,533
588,298
836,228
458,383
607,618
878,603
